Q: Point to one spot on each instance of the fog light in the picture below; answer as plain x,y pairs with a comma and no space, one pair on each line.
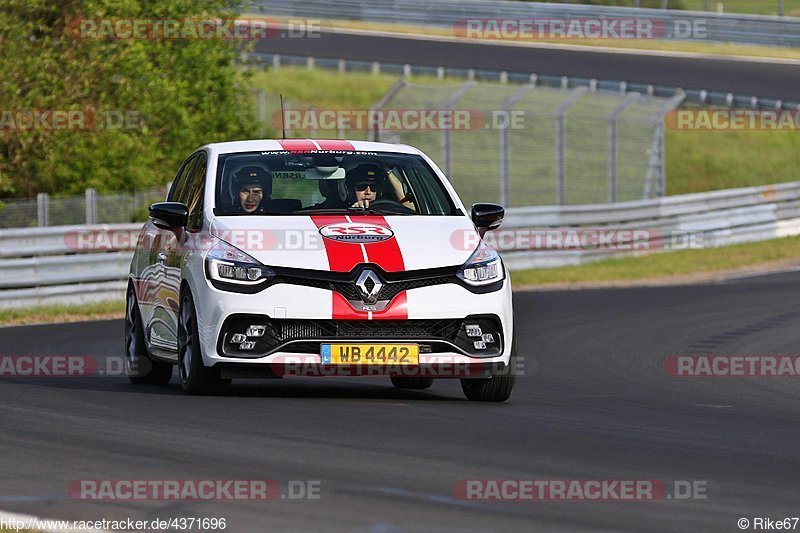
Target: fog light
247,345
479,345
488,337
238,338
473,330
256,331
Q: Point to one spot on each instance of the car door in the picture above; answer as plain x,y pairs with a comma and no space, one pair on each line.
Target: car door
161,324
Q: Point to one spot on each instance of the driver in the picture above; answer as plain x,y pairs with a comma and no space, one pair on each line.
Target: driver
367,181
254,187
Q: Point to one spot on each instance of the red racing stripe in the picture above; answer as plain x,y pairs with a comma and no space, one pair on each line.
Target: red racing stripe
342,256
297,145
386,254
396,310
331,144
342,310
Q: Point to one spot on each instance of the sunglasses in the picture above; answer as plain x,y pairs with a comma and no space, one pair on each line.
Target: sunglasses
363,185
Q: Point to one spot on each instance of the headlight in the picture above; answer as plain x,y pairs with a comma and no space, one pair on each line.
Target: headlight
228,264
483,267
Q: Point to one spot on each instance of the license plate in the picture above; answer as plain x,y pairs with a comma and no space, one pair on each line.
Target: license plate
370,354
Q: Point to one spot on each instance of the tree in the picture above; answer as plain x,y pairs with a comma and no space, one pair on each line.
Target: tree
146,103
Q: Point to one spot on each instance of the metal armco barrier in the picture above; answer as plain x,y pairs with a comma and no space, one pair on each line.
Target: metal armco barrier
737,28
41,266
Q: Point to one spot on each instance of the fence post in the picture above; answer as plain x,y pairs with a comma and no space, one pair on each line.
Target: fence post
656,172
91,206
612,144
42,210
276,61
447,133
262,111
561,140
374,111
505,157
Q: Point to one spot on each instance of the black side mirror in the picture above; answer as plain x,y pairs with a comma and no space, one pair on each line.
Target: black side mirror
488,216
169,215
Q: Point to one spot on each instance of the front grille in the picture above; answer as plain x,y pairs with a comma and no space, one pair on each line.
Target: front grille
285,330
344,284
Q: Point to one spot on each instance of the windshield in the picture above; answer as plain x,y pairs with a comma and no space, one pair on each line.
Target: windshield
286,183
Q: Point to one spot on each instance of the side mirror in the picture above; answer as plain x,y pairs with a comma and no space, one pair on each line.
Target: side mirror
487,216
169,215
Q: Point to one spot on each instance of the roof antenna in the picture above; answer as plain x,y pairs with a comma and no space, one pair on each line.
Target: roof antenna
283,119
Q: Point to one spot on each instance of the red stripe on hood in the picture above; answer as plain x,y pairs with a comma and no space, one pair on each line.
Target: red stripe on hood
335,145
385,254
342,256
396,310
297,145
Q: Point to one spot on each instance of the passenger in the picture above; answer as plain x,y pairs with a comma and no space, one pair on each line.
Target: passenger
254,187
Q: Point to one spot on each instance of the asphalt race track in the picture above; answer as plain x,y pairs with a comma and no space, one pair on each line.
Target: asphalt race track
596,403
763,79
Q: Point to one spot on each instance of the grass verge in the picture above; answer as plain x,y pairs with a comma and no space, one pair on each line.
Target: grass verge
684,265
63,313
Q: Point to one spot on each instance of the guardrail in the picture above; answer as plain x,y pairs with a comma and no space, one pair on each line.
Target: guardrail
746,29
41,266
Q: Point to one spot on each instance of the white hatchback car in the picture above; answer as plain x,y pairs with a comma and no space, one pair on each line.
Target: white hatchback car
318,257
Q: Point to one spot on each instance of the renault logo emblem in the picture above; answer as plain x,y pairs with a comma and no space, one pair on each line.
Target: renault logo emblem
369,285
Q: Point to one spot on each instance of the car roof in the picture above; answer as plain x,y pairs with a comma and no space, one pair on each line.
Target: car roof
268,145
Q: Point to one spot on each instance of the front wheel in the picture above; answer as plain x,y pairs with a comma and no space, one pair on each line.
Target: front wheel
139,366
196,378
497,388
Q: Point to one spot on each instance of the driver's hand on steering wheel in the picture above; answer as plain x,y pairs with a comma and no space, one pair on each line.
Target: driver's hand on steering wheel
362,203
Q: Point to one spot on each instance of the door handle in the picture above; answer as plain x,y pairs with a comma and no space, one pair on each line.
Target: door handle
162,257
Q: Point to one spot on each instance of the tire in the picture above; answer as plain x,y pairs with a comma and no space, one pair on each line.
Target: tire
196,378
417,383
497,388
139,366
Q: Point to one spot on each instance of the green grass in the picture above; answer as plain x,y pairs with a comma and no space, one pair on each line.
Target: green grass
757,7
323,88
699,161
665,265
63,313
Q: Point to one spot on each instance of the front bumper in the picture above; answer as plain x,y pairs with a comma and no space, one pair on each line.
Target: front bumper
300,318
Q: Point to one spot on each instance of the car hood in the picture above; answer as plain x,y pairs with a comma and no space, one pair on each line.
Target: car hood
338,242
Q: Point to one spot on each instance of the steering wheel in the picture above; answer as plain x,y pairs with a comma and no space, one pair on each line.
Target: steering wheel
387,203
